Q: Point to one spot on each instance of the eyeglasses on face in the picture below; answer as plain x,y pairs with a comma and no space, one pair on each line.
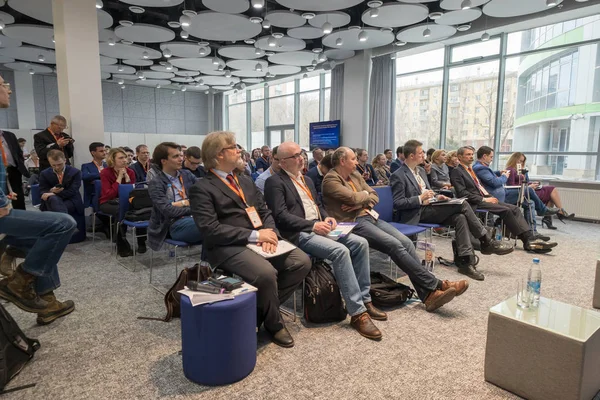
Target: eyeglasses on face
233,147
296,156
6,85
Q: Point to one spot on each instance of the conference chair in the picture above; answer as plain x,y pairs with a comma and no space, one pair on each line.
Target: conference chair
176,244
96,211
124,191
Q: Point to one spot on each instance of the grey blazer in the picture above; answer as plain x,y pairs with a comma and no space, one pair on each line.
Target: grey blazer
439,175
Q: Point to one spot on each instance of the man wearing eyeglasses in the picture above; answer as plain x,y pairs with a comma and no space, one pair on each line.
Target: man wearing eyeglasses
270,170
43,237
301,219
193,162
231,213
53,138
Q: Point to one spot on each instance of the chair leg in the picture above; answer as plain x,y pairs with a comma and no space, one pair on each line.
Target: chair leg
151,264
176,263
134,242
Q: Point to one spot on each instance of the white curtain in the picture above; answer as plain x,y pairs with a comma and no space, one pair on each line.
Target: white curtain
382,99
336,96
218,111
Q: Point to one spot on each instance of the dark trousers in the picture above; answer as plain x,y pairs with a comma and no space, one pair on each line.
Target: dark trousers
113,209
16,183
511,215
276,279
57,204
462,217
385,238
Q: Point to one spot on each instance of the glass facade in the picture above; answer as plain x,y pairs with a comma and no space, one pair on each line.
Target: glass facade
281,111
535,91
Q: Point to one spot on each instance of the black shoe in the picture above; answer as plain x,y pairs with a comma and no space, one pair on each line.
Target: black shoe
563,214
550,211
283,338
141,249
471,272
548,222
496,247
539,246
539,236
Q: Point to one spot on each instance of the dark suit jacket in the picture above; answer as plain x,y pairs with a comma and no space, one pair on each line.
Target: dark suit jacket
89,174
71,182
44,142
312,164
221,216
140,173
286,205
406,192
317,179
263,164
16,152
465,186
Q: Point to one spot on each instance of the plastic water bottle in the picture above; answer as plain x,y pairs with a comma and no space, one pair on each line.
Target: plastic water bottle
534,282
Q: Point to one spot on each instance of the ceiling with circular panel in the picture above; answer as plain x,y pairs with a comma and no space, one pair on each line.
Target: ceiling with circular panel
222,37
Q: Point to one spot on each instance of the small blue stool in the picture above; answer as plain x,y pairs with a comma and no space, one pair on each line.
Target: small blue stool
219,340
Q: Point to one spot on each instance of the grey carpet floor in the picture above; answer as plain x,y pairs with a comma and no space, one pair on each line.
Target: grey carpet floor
102,351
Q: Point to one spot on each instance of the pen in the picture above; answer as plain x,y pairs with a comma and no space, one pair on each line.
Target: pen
244,290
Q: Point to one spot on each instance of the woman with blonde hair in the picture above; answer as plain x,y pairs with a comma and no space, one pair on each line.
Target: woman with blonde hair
382,171
440,174
451,160
547,194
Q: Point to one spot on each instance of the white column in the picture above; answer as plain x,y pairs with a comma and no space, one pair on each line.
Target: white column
78,66
355,122
211,112
25,103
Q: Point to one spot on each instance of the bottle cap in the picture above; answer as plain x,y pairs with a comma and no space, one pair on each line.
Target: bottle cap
536,260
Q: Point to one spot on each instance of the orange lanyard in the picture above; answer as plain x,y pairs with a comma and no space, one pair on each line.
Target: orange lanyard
304,188
4,159
236,189
182,191
352,184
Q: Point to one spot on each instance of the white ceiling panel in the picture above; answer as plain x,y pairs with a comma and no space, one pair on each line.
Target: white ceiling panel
252,80
139,63
195,64
162,68
297,58
4,59
515,8
187,79
6,41
105,75
338,55
186,73
7,18
37,35
248,73
212,72
153,3
459,17
456,4
335,18
239,52
285,19
158,75
305,32
219,80
23,66
210,25
107,60
284,69
114,69
126,77
247,64
30,53
396,14
144,33
153,82
128,51
285,43
414,34
183,49
319,5
376,38
227,6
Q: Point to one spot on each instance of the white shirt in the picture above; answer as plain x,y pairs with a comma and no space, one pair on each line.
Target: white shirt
311,212
260,181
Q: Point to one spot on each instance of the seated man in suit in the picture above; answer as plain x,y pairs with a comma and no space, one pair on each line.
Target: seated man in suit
193,162
59,186
90,172
264,161
348,198
412,205
142,165
271,170
317,173
301,219
231,213
397,163
171,213
467,185
318,155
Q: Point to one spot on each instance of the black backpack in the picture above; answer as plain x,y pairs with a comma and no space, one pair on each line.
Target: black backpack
452,263
16,350
140,205
386,292
322,300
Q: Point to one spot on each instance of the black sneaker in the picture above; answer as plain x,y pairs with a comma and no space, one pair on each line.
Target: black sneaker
497,247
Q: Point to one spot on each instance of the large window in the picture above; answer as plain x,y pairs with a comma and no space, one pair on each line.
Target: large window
279,103
548,106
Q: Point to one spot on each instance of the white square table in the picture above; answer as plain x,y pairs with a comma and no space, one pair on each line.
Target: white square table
551,352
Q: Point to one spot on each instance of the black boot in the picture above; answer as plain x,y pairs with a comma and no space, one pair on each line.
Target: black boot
548,222
141,249
123,246
466,267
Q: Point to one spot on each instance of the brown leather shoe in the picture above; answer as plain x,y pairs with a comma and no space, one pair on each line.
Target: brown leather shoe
55,309
363,324
460,286
438,298
375,313
18,289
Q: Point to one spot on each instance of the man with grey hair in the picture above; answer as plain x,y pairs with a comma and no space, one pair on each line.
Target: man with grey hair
53,138
348,198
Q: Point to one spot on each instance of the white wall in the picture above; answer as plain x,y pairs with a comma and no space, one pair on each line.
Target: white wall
119,139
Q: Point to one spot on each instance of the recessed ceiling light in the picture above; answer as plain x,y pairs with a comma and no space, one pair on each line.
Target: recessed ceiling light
168,66
400,43
317,50
353,27
427,33
215,61
145,55
256,20
185,21
271,41
207,92
136,10
305,76
249,41
228,74
120,68
363,36
551,3
140,74
125,22
485,37
111,42
31,72
122,86
375,3
203,43
386,29
3,25
310,68
53,40
258,67
203,51
201,81
269,53
258,52
270,75
466,4
374,13
189,13
393,56
184,34
266,23
221,67
308,15
322,57
278,35
158,85
257,3
174,24
126,42
121,82
99,4
167,52
339,41
314,62
435,15
183,89
327,28
41,58
462,28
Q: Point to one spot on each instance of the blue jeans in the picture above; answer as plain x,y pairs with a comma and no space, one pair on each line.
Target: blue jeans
512,196
350,259
388,240
185,230
43,236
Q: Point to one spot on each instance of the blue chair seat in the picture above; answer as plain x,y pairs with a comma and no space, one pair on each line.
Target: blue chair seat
178,243
408,230
430,226
136,224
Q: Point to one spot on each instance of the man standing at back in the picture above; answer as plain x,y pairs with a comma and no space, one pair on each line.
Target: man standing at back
142,165
230,213
264,161
53,138
302,220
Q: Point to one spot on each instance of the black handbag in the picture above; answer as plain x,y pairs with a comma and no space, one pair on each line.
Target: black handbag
16,350
386,292
322,299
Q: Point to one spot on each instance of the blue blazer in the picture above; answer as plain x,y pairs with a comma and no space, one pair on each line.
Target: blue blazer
397,163
71,183
261,163
317,179
89,174
140,173
490,180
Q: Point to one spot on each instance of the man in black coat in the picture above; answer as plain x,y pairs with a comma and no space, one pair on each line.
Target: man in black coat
53,138
15,167
231,213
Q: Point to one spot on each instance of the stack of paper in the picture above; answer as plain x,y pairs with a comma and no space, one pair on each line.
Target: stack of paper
282,248
342,229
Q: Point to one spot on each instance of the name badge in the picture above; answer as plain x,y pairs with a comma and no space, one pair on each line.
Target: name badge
373,214
254,217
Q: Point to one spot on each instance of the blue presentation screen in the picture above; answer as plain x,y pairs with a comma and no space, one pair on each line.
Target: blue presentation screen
324,134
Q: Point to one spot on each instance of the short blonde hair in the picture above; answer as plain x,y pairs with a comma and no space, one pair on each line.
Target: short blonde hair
112,154
213,144
450,155
436,154
376,158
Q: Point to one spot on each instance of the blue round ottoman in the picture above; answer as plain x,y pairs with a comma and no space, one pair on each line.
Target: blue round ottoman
219,340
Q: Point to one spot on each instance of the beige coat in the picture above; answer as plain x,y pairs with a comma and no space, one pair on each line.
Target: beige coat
336,192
